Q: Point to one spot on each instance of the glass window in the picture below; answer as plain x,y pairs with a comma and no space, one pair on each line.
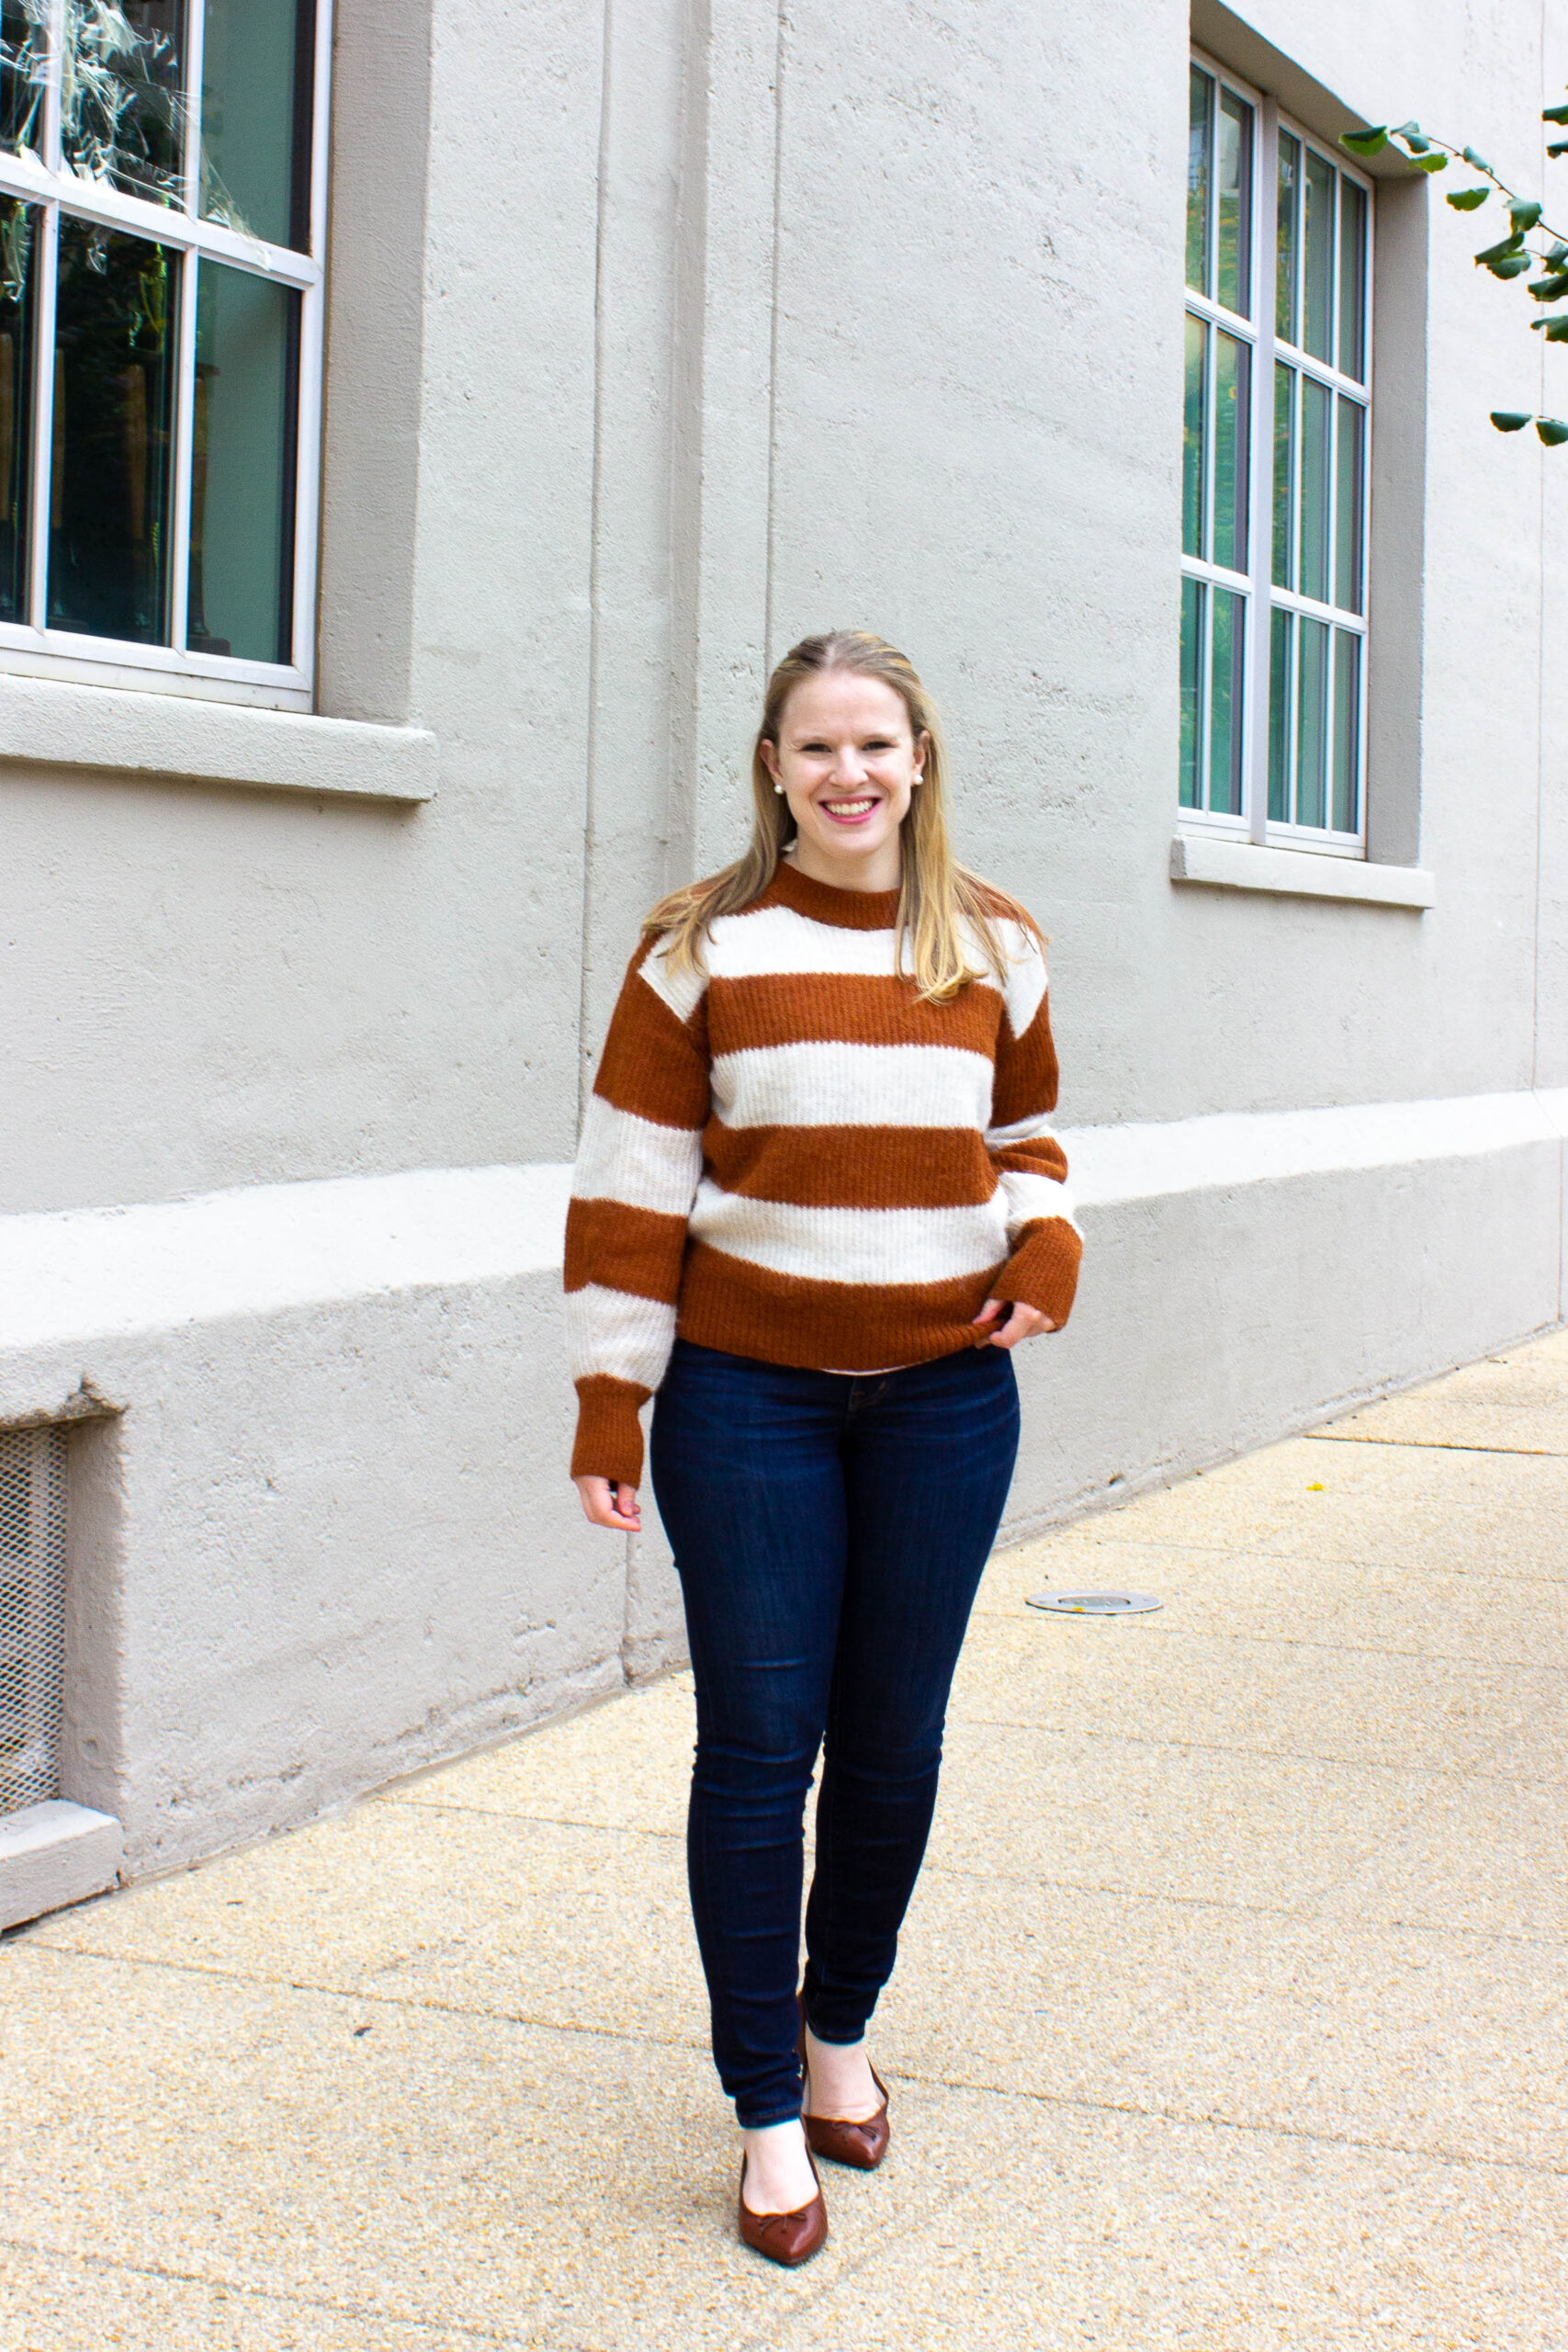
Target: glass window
1274,593
115,330
156,505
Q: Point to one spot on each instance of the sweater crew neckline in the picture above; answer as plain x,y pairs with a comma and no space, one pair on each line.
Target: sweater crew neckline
825,902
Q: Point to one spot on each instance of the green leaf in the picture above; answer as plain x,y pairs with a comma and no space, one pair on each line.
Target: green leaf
1560,149
1365,142
1554,330
1433,162
1411,134
1550,290
1480,161
1491,253
1512,265
1558,257
1523,216
1510,420
1551,429
1467,199
1554,114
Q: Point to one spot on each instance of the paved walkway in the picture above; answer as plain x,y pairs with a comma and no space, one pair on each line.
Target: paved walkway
1232,2012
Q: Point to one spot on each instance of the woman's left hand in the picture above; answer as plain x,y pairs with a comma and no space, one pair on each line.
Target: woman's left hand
1023,1323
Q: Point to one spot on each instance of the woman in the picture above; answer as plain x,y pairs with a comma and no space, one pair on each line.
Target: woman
817,1202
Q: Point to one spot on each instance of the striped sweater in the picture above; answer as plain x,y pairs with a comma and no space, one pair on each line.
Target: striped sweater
789,1155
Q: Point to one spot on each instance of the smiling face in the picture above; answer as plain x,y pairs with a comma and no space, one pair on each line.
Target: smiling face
848,762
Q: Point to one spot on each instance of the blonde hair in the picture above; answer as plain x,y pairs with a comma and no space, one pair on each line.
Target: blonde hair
943,909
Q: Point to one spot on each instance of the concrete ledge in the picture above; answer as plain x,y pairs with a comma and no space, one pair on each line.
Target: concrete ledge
75,1274
1297,873
44,723
53,1854
70,1276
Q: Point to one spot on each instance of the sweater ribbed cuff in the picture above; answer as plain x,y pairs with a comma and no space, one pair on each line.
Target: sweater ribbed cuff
1043,1268
609,1435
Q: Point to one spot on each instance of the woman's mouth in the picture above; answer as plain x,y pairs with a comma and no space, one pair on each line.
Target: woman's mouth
849,812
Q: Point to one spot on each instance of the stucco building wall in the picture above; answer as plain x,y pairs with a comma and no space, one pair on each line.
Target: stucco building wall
658,335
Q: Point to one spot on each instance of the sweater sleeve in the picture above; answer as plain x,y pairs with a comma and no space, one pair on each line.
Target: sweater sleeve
636,1178
1031,1167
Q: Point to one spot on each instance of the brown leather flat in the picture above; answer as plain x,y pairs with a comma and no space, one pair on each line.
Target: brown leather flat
790,2238
863,2144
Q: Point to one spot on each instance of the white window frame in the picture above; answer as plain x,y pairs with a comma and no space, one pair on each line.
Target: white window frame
38,176
1255,586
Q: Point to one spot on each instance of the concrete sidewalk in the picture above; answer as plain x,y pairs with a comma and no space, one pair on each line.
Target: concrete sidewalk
1232,2010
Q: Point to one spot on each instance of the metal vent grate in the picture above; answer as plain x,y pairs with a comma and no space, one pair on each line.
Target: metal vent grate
32,1613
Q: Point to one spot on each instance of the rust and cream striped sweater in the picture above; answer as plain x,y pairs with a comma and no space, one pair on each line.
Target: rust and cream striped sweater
790,1155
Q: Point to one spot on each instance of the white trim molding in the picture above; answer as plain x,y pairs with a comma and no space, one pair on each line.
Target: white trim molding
76,1274
1145,1162
44,723
71,1275
1297,873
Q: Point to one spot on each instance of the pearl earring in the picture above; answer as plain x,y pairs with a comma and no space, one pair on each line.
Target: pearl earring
778,787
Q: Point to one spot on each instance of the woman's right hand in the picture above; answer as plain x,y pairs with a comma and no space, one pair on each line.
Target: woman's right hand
610,1502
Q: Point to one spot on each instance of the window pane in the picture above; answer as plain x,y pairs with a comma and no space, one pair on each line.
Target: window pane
255,118
1224,703
1352,280
24,51
1233,285
1286,239
242,496
1199,141
1317,411
1347,516
18,273
1233,362
120,111
1312,723
1316,318
1346,730
1281,638
1284,452
109,536
1193,453
1193,594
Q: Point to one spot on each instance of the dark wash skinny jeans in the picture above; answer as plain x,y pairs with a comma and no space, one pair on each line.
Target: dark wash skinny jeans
829,1532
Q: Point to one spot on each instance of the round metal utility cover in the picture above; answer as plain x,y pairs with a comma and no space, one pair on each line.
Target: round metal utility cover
1097,1604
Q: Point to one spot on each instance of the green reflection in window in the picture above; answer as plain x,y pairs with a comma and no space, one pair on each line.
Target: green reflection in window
1194,426
255,118
1281,638
19,273
1352,280
1199,152
1232,362
1284,458
1316,417
1347,506
1285,239
1225,703
241,503
1192,595
1312,723
1346,730
1318,281
115,338
1234,271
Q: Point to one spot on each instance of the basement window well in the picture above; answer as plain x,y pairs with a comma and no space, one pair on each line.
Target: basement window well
32,1615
